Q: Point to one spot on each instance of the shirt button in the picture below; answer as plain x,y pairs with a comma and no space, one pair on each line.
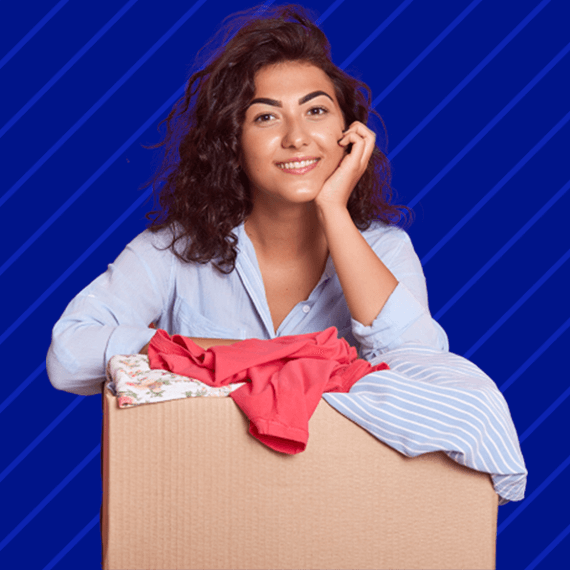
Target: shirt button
306,308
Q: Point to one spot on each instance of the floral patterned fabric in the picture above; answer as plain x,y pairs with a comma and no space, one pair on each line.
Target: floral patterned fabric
134,383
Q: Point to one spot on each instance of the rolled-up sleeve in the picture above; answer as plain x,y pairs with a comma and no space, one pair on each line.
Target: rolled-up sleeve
405,316
110,316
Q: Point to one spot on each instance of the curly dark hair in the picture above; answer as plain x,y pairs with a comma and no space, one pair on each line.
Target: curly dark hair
203,192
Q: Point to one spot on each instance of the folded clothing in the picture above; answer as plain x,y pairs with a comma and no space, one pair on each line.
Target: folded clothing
285,377
431,400
134,383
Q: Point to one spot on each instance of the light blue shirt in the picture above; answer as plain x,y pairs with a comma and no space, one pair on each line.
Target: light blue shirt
429,400
148,284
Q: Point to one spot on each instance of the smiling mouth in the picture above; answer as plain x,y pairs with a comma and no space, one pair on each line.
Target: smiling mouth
298,167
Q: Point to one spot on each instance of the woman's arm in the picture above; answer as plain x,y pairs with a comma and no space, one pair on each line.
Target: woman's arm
385,323
382,282
110,316
366,282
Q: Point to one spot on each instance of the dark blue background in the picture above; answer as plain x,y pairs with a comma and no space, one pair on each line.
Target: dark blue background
69,174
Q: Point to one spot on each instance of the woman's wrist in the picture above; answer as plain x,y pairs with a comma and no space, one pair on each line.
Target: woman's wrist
330,215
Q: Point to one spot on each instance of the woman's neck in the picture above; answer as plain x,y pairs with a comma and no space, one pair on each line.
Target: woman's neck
286,234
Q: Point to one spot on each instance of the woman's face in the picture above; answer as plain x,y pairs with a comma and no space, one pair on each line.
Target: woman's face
289,143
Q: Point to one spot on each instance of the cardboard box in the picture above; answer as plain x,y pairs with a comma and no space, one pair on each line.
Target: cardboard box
185,486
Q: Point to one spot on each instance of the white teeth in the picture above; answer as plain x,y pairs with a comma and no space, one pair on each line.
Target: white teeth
292,165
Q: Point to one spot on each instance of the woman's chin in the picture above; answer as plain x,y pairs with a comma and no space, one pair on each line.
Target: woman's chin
303,196
292,193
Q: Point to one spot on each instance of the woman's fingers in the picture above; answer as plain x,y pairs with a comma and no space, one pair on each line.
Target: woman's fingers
358,148
341,183
362,139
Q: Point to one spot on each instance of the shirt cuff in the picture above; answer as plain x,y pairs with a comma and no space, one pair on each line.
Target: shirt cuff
127,340
399,313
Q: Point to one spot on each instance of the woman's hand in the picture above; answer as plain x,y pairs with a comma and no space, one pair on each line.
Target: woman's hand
338,187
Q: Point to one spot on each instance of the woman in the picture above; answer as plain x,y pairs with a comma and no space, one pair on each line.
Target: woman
275,219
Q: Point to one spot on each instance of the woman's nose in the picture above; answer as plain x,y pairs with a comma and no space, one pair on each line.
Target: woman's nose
295,135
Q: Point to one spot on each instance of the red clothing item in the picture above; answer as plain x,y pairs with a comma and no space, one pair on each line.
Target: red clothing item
286,377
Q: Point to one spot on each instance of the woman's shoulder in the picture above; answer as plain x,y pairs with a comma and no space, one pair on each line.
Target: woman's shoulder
381,231
390,243
149,249
155,242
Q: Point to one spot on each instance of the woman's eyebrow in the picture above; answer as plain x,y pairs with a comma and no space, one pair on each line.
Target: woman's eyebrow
302,100
312,95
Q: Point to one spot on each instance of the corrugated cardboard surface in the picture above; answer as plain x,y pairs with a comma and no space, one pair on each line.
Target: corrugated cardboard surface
185,486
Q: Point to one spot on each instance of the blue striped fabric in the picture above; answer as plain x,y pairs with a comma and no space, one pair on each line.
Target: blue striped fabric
475,107
438,401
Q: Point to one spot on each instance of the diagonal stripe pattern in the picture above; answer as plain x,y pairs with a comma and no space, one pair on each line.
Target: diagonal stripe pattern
76,401
375,34
502,251
557,537
425,52
445,239
90,525
328,12
535,355
70,132
466,81
518,304
489,126
32,32
549,549
560,469
94,453
66,67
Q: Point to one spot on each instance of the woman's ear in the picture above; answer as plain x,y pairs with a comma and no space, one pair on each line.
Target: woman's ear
237,163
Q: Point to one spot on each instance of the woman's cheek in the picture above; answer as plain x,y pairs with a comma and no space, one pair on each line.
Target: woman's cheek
340,151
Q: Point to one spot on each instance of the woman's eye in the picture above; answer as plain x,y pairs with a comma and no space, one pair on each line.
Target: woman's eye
317,111
263,118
